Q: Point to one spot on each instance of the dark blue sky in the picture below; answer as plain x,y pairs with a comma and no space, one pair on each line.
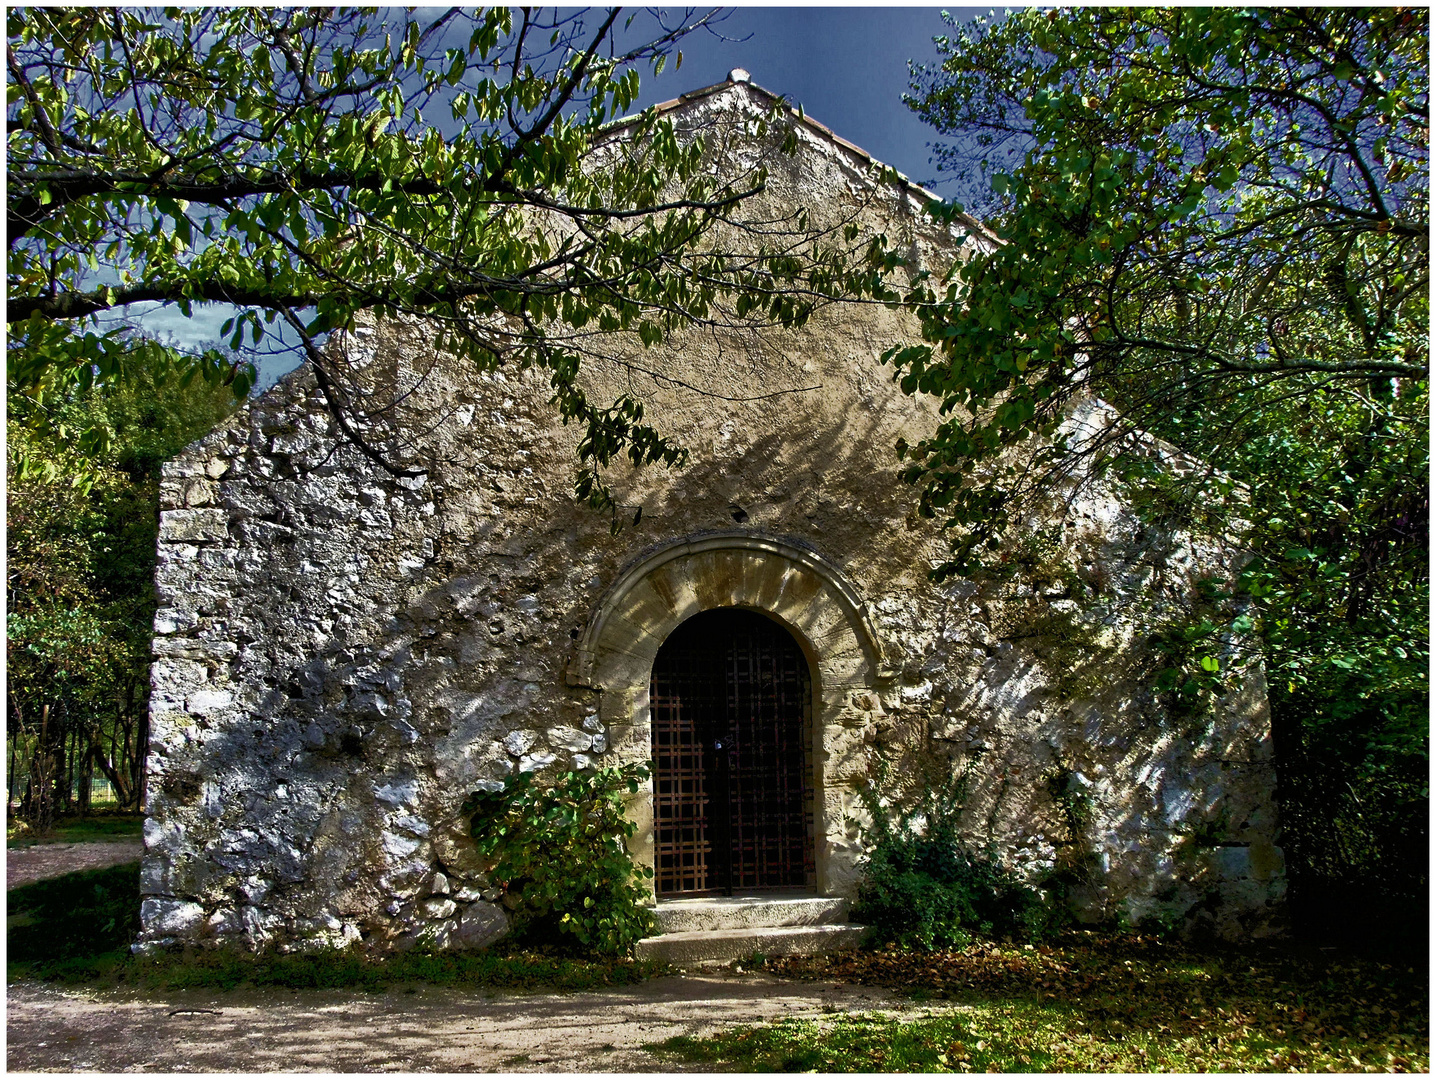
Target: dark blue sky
847,67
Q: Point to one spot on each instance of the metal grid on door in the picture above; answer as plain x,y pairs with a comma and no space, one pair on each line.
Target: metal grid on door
732,776
682,685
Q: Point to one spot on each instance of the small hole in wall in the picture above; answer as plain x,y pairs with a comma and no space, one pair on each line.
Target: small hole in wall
573,633
351,743
738,513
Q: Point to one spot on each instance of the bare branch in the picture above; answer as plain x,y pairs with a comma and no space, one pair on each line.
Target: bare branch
334,405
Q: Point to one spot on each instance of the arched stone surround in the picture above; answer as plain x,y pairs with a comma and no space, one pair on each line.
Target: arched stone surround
802,591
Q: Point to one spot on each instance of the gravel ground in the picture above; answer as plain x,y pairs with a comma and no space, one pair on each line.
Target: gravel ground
428,1029
425,1029
24,865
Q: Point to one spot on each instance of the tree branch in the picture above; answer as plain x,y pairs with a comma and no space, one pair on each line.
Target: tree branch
334,405
47,130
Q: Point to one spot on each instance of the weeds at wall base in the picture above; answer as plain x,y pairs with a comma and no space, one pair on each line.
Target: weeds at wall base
227,970
76,929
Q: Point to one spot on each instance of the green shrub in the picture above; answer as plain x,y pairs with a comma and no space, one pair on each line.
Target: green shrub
560,851
924,885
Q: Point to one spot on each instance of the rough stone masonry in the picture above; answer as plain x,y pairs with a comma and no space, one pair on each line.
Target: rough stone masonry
342,656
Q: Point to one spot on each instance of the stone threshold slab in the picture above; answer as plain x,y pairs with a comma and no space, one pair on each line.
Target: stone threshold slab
754,910
728,946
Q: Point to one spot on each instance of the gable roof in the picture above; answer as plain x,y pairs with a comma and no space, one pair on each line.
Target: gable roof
739,77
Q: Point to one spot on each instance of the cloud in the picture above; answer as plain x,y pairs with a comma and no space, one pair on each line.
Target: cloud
166,320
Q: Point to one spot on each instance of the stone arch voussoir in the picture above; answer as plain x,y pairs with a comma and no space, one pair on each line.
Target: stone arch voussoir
798,587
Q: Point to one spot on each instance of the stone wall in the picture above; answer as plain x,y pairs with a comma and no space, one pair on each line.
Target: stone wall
342,656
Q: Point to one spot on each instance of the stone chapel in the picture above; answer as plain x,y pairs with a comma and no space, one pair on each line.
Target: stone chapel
342,657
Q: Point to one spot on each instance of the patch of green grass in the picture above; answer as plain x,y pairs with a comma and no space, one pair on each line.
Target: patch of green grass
91,828
351,970
76,917
1101,1003
1025,1037
77,929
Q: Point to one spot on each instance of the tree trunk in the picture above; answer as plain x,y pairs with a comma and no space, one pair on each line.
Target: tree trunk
83,771
42,784
142,753
66,771
10,773
116,773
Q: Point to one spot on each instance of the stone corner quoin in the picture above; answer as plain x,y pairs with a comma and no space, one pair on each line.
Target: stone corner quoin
342,657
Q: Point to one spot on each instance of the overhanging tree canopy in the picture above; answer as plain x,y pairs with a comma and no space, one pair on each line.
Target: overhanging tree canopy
308,164
1198,205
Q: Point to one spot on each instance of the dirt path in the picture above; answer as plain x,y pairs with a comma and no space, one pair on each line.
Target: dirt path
430,1029
427,1029
24,865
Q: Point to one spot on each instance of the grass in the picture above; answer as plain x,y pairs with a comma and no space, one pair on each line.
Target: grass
101,826
77,929
1098,1003
73,917
497,969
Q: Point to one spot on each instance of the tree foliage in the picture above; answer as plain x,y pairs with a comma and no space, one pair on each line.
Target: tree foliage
82,517
309,164
1195,206
1217,221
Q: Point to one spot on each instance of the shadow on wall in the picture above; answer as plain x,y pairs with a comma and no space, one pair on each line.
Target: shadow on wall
1137,817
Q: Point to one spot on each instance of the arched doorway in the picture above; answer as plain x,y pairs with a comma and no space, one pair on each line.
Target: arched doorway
802,592
731,714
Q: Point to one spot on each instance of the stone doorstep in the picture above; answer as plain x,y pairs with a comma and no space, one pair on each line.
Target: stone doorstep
727,946
723,929
746,912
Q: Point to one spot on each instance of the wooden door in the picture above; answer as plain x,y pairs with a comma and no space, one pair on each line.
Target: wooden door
730,701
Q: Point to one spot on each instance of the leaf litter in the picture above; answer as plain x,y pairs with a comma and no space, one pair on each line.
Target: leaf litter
1090,1001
